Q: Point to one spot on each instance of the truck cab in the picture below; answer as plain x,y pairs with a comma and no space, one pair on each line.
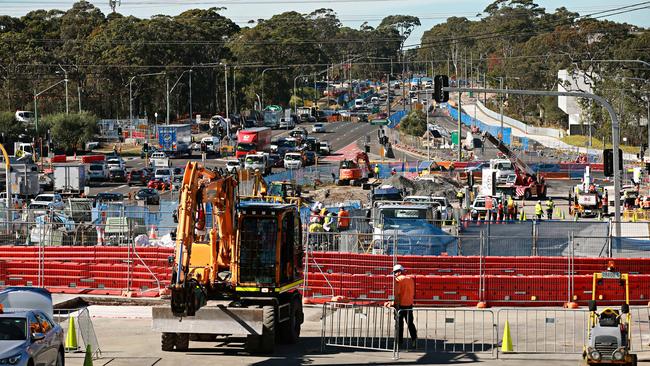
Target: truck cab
504,169
293,160
259,161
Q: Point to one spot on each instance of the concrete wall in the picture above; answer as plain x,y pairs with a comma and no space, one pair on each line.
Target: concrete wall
543,131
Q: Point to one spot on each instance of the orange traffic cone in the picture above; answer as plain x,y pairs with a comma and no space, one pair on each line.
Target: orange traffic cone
153,232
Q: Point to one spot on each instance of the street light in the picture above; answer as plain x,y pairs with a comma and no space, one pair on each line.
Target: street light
36,95
169,91
131,91
263,71
65,75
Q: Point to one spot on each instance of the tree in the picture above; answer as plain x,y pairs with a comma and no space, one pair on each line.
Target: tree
10,129
415,123
71,131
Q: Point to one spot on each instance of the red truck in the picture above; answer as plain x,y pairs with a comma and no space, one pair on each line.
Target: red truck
253,140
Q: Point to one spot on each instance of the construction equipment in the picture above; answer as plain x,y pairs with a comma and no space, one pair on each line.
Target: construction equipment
355,172
587,202
608,331
526,183
236,275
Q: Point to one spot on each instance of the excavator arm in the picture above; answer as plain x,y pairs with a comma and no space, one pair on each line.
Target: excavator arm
201,254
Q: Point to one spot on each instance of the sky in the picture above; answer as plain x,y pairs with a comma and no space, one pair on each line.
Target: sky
352,13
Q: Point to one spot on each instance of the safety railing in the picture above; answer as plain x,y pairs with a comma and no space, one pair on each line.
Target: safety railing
358,326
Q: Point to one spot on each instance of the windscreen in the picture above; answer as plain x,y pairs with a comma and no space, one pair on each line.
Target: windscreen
291,157
13,329
257,250
245,147
96,168
163,172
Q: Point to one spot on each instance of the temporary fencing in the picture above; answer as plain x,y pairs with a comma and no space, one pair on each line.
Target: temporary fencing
358,326
83,330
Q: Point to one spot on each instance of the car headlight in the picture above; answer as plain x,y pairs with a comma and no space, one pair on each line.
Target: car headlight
594,355
619,354
10,360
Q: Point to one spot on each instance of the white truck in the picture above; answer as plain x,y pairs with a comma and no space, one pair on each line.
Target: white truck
69,178
259,161
504,169
160,160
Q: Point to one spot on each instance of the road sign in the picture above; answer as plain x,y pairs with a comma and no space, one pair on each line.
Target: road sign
380,122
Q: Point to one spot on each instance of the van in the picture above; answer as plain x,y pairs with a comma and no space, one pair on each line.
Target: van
358,103
24,116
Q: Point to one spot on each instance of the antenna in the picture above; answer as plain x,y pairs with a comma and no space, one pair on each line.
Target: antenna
114,3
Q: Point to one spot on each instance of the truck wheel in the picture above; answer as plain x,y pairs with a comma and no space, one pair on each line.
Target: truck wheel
168,340
267,341
182,342
290,330
353,182
634,360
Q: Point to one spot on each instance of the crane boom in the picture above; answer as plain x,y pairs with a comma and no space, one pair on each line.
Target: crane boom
509,154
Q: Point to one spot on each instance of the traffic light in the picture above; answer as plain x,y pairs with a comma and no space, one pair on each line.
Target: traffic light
145,146
439,82
608,161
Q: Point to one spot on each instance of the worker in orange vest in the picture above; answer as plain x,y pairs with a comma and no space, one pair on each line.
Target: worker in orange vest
404,295
343,218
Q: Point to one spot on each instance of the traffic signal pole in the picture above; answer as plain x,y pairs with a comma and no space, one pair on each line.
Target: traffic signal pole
596,98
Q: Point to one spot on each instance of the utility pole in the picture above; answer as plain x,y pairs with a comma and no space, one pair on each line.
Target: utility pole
65,76
191,95
501,109
167,94
460,115
225,78
79,96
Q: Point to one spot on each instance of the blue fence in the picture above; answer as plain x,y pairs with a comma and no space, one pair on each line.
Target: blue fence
469,121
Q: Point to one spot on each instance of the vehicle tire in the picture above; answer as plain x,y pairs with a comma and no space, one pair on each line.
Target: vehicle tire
182,342
267,340
634,360
168,340
353,182
60,359
290,330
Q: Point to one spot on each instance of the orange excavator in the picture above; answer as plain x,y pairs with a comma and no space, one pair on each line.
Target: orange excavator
354,172
236,269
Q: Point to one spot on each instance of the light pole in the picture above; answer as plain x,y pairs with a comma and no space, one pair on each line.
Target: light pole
65,76
36,95
131,91
263,71
169,91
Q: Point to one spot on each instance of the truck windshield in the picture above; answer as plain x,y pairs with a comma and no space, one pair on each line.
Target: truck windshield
271,116
254,159
96,168
287,143
13,329
257,250
404,213
242,146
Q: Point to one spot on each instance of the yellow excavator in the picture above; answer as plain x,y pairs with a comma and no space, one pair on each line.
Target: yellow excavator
237,268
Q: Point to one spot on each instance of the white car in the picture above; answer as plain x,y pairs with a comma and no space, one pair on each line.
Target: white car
51,200
164,174
117,163
292,160
318,128
232,166
287,123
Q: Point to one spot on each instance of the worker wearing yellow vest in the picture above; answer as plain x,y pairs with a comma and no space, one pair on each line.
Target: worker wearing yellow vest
538,210
550,206
511,209
376,170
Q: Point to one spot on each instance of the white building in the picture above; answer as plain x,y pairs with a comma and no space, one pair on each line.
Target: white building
574,81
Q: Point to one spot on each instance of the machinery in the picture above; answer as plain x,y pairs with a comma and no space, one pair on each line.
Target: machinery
236,269
609,335
526,183
588,202
354,172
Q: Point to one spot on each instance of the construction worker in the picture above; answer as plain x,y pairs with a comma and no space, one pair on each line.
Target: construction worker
538,210
500,215
550,206
344,218
404,294
460,195
510,206
376,170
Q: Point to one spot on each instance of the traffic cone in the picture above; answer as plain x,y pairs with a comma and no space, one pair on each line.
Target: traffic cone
88,357
506,342
524,213
152,232
71,337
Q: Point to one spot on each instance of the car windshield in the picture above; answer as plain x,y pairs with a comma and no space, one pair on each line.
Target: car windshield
96,168
291,157
254,159
13,329
163,172
318,125
135,172
232,163
113,161
242,146
287,143
45,198
404,213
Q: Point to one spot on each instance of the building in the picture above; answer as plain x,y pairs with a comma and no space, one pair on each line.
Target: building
574,81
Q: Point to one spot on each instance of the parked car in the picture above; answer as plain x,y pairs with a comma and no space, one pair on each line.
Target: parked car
177,182
52,200
30,336
98,172
149,195
276,160
116,174
139,176
318,128
159,184
163,174
232,166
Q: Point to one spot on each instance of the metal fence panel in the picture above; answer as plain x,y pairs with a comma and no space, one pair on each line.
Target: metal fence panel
357,326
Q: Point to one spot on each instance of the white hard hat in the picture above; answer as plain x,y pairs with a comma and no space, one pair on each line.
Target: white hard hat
398,267
341,205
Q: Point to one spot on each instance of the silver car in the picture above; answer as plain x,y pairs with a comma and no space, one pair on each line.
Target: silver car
29,337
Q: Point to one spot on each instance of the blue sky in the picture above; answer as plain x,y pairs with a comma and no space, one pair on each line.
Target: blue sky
351,12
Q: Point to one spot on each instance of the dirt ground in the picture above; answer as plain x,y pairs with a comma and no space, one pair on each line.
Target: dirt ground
332,194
